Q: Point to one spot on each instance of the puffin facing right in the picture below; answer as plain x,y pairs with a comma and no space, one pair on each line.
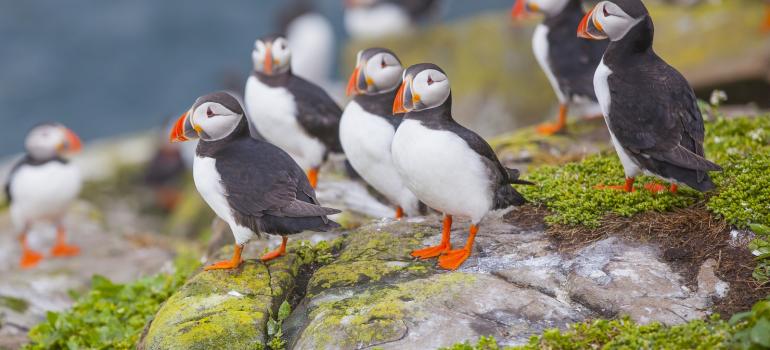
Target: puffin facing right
250,184
448,167
649,107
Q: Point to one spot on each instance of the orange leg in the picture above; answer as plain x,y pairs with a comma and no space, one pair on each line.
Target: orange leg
552,128
452,259
673,188
312,176
29,257
441,248
399,212
627,187
658,188
228,264
62,249
276,253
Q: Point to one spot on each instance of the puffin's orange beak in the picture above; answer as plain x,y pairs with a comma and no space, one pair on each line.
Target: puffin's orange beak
590,28
398,103
183,130
268,59
521,8
73,144
352,88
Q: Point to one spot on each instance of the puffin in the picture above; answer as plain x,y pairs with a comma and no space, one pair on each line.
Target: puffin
368,125
447,166
567,61
371,19
42,185
289,111
311,39
650,109
252,185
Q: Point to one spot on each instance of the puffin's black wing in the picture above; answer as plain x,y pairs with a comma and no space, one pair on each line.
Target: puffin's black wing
317,112
9,178
654,114
267,190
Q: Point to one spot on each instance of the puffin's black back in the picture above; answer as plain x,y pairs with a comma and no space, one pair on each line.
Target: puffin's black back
654,112
573,60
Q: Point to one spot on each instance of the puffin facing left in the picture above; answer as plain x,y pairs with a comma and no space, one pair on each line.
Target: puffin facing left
42,185
252,185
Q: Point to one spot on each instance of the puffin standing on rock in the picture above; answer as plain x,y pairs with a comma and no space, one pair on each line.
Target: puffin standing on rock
42,185
649,107
567,61
368,125
448,167
289,111
252,185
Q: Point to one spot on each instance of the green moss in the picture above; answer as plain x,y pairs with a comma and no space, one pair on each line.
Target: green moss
752,327
570,192
376,314
15,304
110,316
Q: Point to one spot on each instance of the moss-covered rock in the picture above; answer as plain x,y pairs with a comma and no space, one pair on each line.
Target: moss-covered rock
227,309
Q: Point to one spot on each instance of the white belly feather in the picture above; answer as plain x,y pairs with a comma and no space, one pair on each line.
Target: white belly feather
209,185
602,89
272,110
43,192
540,48
366,140
442,170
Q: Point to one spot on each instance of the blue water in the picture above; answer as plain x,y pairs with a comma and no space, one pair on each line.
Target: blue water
111,67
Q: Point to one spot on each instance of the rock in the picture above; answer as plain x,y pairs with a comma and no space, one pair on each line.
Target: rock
26,295
226,309
709,285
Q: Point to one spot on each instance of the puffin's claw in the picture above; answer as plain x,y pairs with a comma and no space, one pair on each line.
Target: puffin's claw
431,252
29,259
549,129
223,265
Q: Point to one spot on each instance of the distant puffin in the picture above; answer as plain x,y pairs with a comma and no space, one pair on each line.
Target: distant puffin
370,19
289,111
311,39
650,109
252,185
368,125
42,185
449,168
567,61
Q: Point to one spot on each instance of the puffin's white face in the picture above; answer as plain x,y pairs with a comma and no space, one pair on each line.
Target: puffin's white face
547,7
606,20
377,74
50,140
428,89
213,121
271,57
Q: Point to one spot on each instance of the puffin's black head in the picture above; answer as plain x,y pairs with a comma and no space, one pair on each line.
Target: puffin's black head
423,86
547,7
612,19
49,140
271,55
377,70
212,117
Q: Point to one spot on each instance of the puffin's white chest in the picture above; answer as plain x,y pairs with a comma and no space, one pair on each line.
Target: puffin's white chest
273,112
540,48
602,89
209,184
442,170
366,140
377,21
43,192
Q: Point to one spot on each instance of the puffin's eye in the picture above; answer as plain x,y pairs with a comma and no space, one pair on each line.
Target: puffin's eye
430,80
209,112
606,13
382,63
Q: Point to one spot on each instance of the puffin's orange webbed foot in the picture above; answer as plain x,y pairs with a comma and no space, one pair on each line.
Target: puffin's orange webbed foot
64,250
656,188
276,253
454,258
627,187
432,252
549,129
223,265
30,259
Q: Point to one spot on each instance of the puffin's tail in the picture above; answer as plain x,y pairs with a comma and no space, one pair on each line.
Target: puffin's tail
506,195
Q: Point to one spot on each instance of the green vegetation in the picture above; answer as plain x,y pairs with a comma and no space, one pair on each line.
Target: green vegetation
753,327
15,304
275,327
760,246
570,192
111,315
